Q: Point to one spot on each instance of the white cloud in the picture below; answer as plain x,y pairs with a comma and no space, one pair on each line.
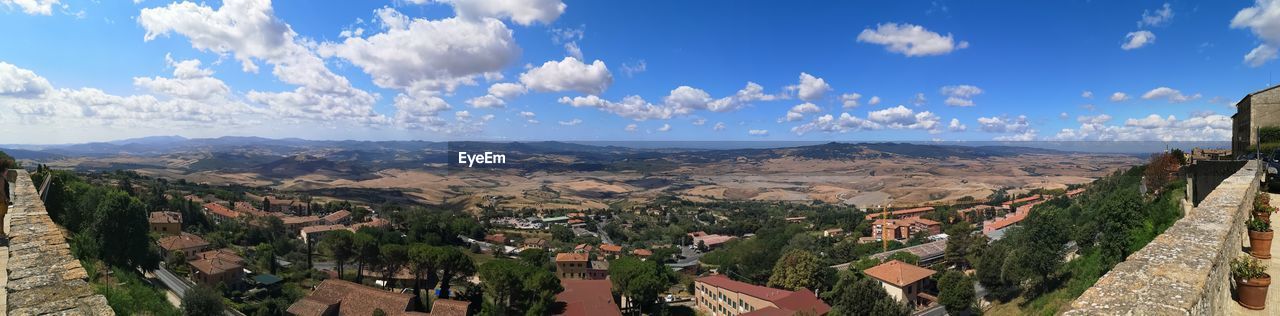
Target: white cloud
487,101
758,132
32,7
1086,94
831,124
699,122
665,127
1173,95
751,93
686,99
961,95
1160,17
1119,97
1023,137
955,126
572,122
631,127
719,126
910,40
572,49
1138,39
189,82
1004,124
506,90
1260,55
810,88
632,107
1199,127
22,83
569,74
919,99
632,69
434,55
523,12
874,100
850,100
901,117
797,112
529,117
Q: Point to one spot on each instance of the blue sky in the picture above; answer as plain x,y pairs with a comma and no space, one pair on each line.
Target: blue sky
637,70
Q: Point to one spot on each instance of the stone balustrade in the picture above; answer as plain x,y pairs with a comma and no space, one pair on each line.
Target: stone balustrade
1186,270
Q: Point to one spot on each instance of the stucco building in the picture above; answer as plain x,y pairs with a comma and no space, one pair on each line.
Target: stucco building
903,281
718,295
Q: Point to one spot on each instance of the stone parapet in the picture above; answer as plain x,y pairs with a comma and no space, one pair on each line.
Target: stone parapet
1186,270
44,278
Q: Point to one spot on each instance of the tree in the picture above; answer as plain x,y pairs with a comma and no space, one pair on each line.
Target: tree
394,257
365,248
121,226
956,292
905,257
512,287
266,204
537,257
561,233
640,281
990,266
455,264
202,301
862,296
797,269
424,260
338,244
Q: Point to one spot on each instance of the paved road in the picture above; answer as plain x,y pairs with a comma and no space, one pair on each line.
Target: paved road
935,310
604,236
172,281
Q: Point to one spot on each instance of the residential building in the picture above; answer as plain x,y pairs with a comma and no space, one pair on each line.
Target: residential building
165,223
611,249
187,243
312,234
642,253
375,222
903,281
1256,110
534,242
587,298
712,241
975,212
834,232
1029,199
1011,218
295,223
341,217
905,228
338,297
496,239
218,266
719,295
448,307
575,265
220,212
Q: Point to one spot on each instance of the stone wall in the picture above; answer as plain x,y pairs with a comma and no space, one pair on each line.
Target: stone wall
44,278
1205,175
1186,270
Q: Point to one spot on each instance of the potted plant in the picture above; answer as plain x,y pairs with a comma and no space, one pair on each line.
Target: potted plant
1252,282
1262,208
1259,238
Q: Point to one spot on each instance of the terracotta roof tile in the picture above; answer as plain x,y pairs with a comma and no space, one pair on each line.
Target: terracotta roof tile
587,298
165,218
448,307
571,257
181,242
898,273
353,299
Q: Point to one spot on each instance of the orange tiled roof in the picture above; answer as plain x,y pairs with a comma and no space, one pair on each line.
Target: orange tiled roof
181,242
321,228
586,298
350,299
572,257
610,248
448,307
642,252
221,254
898,273
337,216
295,220
220,210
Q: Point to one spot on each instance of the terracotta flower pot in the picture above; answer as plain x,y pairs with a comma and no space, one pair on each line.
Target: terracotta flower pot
1260,244
1252,293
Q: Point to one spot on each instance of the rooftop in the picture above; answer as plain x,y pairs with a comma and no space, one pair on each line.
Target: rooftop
220,210
898,273
571,257
181,241
165,218
337,216
787,302
350,299
587,297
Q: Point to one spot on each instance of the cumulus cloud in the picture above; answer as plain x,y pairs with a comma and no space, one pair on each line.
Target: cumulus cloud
699,122
1198,127
22,83
569,74
1119,97
719,126
910,40
797,112
523,12
832,124
1173,95
1004,124
961,95
919,99
32,7
572,122
1086,94
665,127
630,69
956,126
632,107
189,82
899,117
250,32
850,100
758,132
1138,39
874,100
631,127
810,88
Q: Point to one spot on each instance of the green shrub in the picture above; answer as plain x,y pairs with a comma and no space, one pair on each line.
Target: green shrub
1258,225
1269,134
1247,267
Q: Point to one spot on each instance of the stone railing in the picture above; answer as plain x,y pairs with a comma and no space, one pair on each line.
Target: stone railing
1185,270
44,278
